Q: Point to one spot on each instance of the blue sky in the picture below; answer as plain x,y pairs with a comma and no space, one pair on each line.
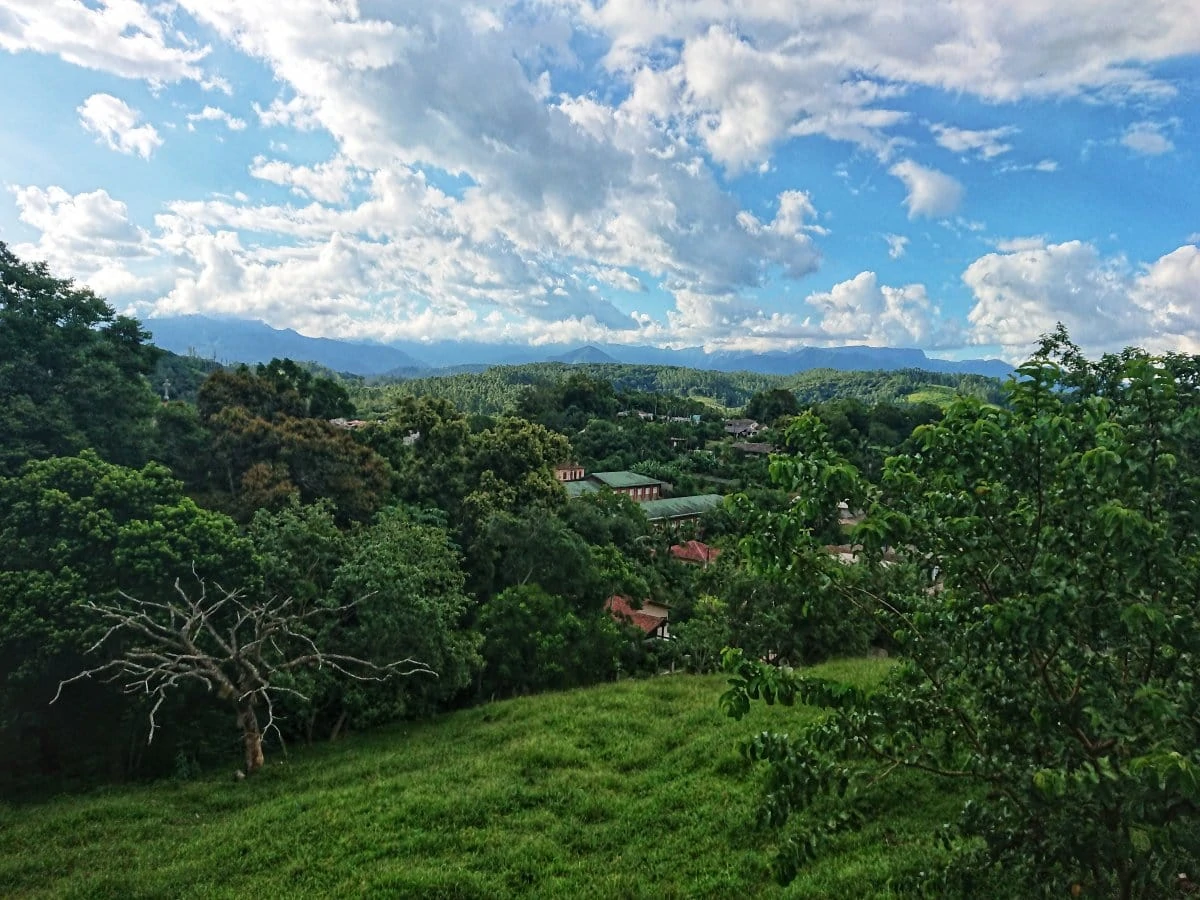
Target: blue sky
738,174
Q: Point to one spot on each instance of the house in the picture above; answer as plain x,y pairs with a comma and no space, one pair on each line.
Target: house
569,472
637,487
651,618
680,510
741,427
695,552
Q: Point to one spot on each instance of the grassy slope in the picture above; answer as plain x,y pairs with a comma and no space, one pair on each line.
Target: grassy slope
633,789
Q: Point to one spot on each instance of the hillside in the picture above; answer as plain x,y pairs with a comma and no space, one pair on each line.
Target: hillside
633,789
498,389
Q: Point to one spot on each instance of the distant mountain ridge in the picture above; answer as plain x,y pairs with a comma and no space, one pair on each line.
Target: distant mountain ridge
245,341
241,340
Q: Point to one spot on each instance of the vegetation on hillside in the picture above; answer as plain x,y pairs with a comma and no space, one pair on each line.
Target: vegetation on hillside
634,789
1030,555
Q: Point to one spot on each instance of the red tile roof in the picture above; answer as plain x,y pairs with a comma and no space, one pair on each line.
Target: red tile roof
622,609
695,551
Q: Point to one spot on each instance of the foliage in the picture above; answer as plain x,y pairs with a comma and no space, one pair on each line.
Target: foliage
411,603
72,372
698,642
769,406
1053,661
538,390
629,789
75,529
534,641
270,441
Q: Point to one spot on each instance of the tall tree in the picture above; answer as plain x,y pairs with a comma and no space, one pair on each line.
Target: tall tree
1049,630
72,372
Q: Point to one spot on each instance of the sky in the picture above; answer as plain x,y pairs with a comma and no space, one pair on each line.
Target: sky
954,175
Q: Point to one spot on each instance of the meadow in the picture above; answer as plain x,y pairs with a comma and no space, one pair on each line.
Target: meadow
630,789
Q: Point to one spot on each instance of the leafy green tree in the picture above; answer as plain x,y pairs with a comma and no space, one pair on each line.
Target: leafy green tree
1048,631
72,372
770,406
406,580
534,641
78,529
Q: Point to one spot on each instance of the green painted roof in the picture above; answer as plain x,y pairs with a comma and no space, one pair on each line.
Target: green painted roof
624,479
678,507
579,488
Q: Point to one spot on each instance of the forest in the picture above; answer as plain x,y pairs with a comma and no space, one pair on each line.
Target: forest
201,565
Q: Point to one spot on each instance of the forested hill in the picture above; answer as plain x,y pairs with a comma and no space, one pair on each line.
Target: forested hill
500,388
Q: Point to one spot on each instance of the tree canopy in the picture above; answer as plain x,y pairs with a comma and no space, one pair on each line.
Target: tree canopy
1043,595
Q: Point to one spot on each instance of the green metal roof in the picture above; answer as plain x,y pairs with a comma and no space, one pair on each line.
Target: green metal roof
679,507
579,488
624,479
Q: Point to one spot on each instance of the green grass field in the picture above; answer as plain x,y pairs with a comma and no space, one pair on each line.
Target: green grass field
634,789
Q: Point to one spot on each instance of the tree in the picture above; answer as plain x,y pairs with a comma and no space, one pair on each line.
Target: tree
242,649
414,605
1049,632
769,406
534,641
74,529
72,372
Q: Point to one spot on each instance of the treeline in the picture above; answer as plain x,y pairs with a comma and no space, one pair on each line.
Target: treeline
502,389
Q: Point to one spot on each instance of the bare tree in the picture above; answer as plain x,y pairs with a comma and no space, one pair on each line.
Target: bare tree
238,648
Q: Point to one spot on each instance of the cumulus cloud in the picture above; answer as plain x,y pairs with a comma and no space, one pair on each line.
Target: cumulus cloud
122,37
326,182
116,124
931,193
861,310
1105,302
551,202
216,114
87,236
1148,138
984,144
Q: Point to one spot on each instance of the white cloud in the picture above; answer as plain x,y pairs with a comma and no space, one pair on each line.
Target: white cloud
1148,138
116,124
897,244
930,193
984,144
122,37
1105,303
326,182
861,310
87,236
1044,165
1017,244
216,114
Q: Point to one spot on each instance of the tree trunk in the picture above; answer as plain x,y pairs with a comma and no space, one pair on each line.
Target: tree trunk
251,736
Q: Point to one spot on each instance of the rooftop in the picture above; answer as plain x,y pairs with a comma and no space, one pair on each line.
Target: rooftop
579,488
681,507
624,479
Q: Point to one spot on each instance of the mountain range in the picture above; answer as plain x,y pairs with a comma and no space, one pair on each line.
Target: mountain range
242,340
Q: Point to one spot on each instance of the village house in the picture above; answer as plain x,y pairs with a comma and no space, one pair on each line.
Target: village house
639,488
677,511
651,618
741,427
695,552
569,472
